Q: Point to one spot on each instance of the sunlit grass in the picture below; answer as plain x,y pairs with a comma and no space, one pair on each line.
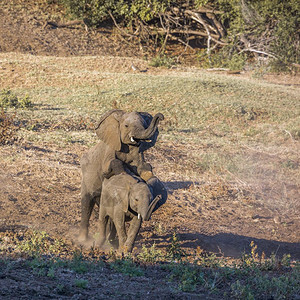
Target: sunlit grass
235,129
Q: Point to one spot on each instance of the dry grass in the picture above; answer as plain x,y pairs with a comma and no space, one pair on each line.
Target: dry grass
224,138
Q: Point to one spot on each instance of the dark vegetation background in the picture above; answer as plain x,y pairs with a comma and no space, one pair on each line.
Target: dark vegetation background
221,33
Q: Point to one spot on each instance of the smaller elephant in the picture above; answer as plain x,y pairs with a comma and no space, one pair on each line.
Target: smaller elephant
125,198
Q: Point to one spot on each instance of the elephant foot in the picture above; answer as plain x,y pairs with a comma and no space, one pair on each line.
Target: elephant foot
83,236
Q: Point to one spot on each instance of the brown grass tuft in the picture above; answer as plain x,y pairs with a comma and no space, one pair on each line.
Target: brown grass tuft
7,128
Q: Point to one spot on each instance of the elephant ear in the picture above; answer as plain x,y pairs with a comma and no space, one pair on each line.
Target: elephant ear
118,193
108,129
130,184
124,196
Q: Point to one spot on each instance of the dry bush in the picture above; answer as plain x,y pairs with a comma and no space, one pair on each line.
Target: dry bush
7,128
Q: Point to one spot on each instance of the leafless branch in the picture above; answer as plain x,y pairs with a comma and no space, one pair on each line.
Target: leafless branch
259,52
64,25
119,28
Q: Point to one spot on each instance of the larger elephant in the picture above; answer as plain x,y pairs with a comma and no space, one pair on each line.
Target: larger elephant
123,139
128,135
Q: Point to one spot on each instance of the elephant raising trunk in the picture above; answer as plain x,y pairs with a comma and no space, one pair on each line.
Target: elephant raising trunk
124,136
149,132
151,207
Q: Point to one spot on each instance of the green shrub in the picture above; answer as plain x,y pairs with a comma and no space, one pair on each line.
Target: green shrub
264,286
174,249
127,267
223,58
162,60
42,267
38,243
269,26
81,283
249,28
284,44
94,12
188,276
9,99
78,264
151,254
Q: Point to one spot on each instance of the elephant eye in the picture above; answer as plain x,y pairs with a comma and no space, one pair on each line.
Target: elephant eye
126,125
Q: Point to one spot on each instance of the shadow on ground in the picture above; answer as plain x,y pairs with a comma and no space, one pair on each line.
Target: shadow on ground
231,245
178,185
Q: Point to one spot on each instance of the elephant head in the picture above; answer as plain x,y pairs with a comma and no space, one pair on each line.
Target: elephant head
140,200
135,128
131,195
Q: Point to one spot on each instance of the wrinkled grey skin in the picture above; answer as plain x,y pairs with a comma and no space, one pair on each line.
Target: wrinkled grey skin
128,135
123,139
126,198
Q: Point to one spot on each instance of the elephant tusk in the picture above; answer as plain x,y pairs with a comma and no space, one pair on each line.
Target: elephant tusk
139,216
132,139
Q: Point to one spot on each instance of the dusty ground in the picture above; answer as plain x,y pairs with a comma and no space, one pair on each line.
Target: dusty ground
40,183
40,188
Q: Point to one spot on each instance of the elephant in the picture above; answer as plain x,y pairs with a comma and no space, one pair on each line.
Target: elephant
127,198
123,139
128,135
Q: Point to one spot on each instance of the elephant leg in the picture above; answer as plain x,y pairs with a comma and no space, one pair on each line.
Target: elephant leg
115,167
87,205
121,231
111,233
134,228
103,220
143,169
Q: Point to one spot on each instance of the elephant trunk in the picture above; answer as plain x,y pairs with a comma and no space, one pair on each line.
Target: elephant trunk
142,212
151,207
147,133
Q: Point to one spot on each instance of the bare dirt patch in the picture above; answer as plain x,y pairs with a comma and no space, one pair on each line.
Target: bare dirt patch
24,29
40,189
